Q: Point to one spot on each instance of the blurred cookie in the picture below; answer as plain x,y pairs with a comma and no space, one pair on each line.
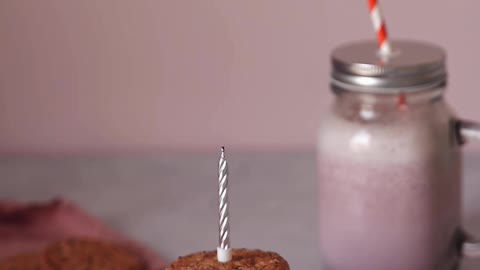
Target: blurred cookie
24,262
242,259
27,228
78,254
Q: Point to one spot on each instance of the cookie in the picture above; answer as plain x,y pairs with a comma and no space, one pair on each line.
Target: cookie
242,259
24,262
26,228
76,254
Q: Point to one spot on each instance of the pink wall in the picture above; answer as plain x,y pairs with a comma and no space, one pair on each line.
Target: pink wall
134,75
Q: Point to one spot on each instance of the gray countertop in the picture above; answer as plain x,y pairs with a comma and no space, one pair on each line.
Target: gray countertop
169,201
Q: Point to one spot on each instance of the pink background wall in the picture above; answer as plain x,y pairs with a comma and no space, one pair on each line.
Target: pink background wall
171,74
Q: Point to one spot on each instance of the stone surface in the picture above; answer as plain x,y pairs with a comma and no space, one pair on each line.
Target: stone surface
169,201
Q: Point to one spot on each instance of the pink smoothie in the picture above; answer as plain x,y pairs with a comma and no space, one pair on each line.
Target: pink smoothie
389,194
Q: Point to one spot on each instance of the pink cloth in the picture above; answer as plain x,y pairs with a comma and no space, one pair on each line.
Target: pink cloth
26,228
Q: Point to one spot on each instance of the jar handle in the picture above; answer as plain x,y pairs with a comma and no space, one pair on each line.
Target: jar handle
469,131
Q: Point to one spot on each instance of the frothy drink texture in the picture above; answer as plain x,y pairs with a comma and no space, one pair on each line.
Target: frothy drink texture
389,190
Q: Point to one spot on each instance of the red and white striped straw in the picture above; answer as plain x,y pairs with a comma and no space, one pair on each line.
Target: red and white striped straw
379,27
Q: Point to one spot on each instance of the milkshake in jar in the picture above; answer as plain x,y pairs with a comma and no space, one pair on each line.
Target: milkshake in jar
389,162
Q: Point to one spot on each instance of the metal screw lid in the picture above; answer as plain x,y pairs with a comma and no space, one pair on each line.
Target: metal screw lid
413,66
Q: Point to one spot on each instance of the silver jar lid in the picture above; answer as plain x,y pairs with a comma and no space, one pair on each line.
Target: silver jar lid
413,66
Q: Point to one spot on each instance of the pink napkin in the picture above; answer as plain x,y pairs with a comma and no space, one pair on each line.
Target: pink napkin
26,228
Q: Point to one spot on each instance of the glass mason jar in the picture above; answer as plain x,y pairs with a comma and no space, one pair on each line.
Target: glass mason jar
389,162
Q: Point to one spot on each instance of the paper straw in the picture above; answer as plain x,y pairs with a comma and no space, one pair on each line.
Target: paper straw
379,26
